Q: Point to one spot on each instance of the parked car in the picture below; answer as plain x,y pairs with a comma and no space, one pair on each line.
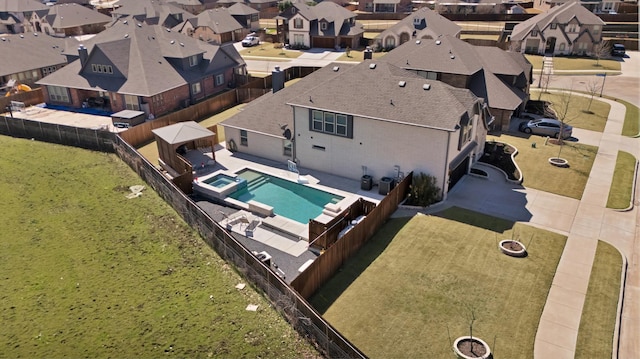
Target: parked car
546,127
250,40
618,50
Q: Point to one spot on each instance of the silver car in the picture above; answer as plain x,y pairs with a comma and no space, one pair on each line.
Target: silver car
546,127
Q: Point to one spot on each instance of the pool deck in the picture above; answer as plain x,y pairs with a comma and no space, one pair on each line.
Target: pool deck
75,119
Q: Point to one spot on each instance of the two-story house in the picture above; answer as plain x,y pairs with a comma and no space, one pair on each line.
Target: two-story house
569,29
246,16
152,12
385,6
67,20
595,6
424,23
14,14
501,78
325,25
28,57
372,118
215,26
143,67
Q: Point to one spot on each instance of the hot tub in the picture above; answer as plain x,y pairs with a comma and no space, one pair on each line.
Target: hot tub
218,185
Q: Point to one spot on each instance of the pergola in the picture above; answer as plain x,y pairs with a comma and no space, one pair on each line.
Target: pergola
179,138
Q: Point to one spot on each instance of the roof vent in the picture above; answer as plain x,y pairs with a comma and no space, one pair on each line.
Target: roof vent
126,36
4,39
125,22
172,42
371,66
35,34
426,87
402,83
453,56
139,24
438,42
168,30
21,36
182,44
417,42
336,68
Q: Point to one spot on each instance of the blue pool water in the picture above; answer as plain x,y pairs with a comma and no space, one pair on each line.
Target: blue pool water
89,111
219,180
288,199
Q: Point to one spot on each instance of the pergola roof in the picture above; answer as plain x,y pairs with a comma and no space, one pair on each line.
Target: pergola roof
182,132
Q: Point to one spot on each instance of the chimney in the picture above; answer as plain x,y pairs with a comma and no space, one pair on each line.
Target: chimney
84,55
277,79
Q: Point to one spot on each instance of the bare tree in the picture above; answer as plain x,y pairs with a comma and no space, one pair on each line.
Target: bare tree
545,78
593,87
561,107
600,50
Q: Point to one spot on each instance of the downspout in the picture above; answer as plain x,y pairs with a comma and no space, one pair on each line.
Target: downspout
293,138
446,170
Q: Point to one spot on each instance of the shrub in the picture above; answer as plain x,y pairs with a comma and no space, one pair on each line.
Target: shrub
423,191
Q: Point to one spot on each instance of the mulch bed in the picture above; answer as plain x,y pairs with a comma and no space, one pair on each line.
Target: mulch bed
472,348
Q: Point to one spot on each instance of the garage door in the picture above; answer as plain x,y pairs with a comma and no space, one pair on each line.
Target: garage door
323,42
458,172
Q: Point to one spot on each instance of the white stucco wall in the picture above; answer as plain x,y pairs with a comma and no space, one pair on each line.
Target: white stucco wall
261,145
303,31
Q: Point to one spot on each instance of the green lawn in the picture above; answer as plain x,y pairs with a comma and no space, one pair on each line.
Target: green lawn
87,272
267,49
631,126
541,175
408,291
597,325
576,64
580,114
358,55
622,185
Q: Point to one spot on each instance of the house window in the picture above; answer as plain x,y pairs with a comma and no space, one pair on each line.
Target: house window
287,148
466,125
243,138
298,39
196,88
219,79
324,25
48,70
254,17
193,60
534,33
297,23
554,26
331,123
58,94
131,102
561,47
158,101
389,42
571,28
596,29
102,69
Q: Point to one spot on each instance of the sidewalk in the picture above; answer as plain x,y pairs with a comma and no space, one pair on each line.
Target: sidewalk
558,329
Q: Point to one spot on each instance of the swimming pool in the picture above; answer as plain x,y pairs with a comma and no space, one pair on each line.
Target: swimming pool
288,199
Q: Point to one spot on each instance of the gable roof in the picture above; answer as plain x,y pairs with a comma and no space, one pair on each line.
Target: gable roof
484,64
152,12
31,51
429,22
21,5
182,132
559,14
382,91
242,9
446,54
66,16
219,20
252,116
142,54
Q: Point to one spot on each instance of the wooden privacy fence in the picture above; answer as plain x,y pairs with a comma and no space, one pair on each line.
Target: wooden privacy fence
29,98
341,249
294,308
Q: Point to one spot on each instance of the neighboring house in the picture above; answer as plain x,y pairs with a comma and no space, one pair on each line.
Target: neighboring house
30,57
424,23
569,29
596,7
145,68
325,25
195,6
246,16
216,26
385,6
475,7
384,122
260,5
14,14
67,20
152,12
501,78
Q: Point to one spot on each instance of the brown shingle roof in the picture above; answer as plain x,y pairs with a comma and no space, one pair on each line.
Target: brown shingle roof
29,51
66,16
430,22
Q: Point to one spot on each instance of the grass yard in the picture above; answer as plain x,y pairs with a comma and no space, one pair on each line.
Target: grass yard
597,325
267,49
408,291
631,126
581,115
539,174
622,185
87,272
587,65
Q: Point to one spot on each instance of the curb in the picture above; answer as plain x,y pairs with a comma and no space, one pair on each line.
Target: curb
633,192
623,285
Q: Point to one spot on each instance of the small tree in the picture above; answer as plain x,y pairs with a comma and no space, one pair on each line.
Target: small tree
423,191
284,5
561,108
600,50
593,86
545,79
